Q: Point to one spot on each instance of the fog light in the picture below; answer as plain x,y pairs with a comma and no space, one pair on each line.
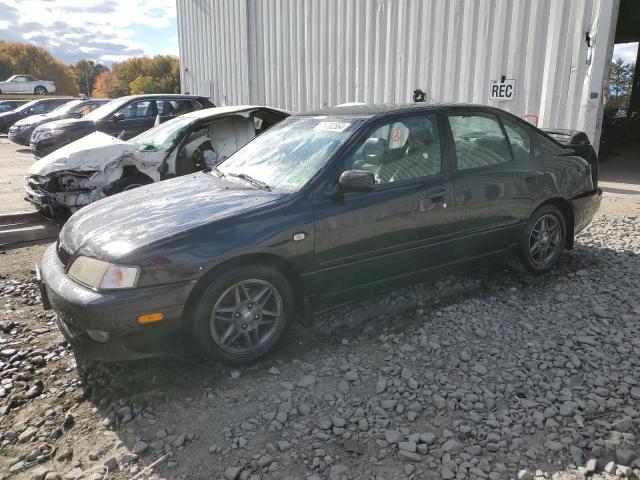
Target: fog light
98,335
150,317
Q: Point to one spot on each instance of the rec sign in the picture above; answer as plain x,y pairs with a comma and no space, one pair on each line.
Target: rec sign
502,90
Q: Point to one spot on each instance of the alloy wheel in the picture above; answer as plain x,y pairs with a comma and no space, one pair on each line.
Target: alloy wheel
246,316
544,240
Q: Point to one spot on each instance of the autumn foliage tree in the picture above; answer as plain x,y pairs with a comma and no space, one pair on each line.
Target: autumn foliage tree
20,58
87,71
158,74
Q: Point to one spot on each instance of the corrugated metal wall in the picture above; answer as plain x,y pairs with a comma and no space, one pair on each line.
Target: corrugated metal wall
304,54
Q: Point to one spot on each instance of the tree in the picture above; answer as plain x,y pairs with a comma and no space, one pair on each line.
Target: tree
144,84
17,58
87,71
620,82
104,86
158,74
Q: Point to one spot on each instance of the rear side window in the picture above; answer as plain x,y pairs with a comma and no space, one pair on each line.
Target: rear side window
86,109
53,105
519,139
479,141
174,107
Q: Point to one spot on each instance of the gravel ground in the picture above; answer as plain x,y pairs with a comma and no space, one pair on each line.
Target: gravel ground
492,374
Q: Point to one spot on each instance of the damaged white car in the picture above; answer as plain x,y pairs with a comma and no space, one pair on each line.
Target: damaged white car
99,165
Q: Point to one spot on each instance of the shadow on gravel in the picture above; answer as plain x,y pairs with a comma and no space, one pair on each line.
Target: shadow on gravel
391,312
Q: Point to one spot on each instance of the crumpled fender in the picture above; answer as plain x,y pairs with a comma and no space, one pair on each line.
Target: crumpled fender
90,153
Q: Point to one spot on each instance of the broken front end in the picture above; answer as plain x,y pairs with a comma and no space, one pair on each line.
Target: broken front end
60,194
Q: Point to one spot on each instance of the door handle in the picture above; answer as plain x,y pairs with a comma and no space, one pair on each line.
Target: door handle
438,199
530,178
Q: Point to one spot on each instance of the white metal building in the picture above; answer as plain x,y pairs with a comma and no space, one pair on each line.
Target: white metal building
304,54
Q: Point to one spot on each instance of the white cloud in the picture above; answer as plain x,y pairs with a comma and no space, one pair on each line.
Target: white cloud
71,29
626,51
114,58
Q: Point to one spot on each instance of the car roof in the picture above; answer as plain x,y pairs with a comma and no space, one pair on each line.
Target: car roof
212,112
374,109
175,96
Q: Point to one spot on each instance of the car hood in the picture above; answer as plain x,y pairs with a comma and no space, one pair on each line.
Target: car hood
115,226
88,154
75,123
34,120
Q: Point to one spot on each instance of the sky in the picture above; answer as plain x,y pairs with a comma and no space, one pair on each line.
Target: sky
105,31
627,51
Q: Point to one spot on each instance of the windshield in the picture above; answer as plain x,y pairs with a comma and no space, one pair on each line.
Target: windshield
64,108
164,135
106,109
288,155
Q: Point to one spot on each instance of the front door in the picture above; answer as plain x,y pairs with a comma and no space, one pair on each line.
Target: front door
402,224
497,179
137,117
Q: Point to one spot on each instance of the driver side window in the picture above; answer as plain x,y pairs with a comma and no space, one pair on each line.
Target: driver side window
405,149
137,110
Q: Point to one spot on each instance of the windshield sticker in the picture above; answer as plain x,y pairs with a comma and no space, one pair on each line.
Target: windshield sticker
332,126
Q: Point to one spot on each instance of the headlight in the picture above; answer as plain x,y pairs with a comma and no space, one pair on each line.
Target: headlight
21,127
50,133
103,275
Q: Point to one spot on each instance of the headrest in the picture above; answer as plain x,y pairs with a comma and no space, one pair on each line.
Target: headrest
373,151
398,135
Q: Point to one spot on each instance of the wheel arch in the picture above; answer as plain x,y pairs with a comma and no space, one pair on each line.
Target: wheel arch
567,212
282,265
133,171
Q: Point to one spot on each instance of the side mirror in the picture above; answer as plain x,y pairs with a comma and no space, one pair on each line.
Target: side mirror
356,180
117,117
76,115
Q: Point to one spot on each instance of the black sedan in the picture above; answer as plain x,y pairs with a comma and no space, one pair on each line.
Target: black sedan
20,132
318,210
124,117
35,107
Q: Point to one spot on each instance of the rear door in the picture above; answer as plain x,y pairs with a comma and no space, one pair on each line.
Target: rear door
497,179
400,226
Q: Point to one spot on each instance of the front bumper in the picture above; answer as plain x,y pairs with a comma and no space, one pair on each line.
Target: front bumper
21,137
584,208
55,204
42,148
103,324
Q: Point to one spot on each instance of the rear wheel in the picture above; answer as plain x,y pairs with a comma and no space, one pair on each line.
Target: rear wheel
243,314
40,90
543,240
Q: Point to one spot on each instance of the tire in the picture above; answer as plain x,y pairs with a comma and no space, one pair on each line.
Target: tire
128,183
242,331
40,90
542,240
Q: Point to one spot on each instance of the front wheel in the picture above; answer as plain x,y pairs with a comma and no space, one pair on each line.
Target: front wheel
40,90
243,314
543,240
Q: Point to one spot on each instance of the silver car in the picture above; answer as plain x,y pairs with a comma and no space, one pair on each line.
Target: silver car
26,84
